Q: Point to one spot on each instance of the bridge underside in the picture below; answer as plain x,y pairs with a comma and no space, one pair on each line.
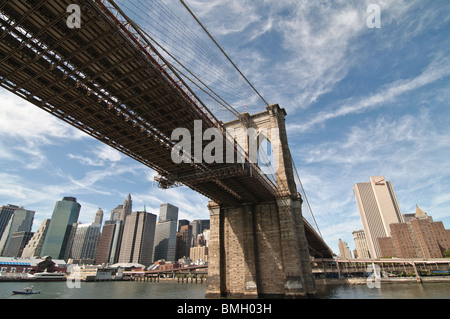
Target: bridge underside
104,80
98,79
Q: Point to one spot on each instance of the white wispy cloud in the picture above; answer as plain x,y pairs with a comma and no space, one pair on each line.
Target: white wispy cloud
320,41
25,130
98,156
437,70
236,15
20,119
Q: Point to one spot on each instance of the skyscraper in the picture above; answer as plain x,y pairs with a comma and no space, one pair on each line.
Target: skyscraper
137,239
378,208
126,208
111,238
109,242
344,250
115,213
183,242
34,246
198,226
5,215
361,244
84,244
116,241
20,221
98,217
61,229
168,212
166,233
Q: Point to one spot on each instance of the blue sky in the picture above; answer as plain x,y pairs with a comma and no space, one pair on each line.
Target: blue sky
361,102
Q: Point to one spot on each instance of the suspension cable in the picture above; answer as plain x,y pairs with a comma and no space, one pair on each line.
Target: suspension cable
306,198
229,59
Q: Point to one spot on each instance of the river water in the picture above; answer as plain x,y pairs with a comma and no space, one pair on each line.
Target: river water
174,290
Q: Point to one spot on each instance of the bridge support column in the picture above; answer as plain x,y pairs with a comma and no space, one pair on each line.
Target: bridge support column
259,250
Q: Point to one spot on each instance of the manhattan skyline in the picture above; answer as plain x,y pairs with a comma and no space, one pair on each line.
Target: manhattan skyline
360,102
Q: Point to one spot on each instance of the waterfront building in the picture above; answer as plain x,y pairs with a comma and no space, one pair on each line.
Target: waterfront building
137,239
362,249
34,246
378,208
61,229
15,265
165,233
84,245
420,237
21,220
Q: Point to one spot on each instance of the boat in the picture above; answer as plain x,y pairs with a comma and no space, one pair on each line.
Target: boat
26,291
46,276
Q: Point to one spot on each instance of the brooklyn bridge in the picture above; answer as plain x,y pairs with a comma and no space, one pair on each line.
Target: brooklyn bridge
97,69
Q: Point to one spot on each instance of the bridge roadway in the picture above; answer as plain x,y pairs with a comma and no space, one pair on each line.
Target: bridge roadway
107,80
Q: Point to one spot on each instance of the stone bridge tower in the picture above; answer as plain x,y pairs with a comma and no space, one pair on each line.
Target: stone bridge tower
258,250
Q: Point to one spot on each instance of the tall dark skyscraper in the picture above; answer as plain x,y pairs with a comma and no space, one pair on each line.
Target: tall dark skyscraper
137,238
61,229
184,239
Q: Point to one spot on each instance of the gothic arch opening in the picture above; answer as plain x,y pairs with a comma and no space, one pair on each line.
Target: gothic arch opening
266,161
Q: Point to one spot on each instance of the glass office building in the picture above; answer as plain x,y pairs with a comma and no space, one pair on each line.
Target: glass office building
62,229
166,233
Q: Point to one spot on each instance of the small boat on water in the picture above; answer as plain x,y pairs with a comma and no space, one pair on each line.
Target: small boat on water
26,291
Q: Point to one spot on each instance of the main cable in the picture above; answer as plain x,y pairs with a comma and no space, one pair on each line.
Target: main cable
226,55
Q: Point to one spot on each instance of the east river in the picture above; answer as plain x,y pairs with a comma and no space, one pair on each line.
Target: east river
173,290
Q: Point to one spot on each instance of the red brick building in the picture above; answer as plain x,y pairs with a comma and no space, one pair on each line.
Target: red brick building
420,237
